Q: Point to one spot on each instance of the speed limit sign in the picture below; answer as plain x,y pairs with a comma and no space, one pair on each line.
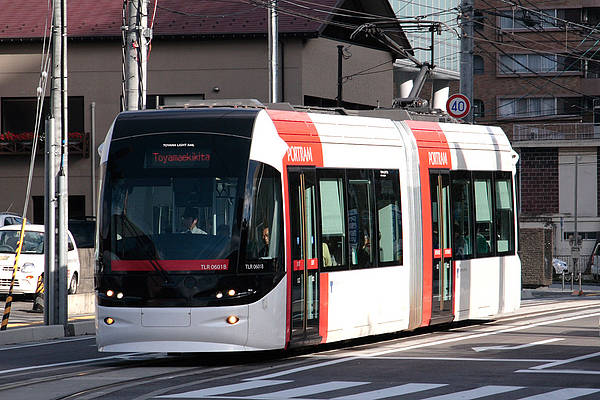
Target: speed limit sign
458,105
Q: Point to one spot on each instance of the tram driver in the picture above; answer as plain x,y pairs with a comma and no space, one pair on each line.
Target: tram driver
189,221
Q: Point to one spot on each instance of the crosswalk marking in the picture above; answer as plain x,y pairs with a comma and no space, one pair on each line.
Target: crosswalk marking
390,392
476,393
562,394
232,391
311,389
224,389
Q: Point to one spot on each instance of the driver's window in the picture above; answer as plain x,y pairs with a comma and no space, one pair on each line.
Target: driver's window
265,225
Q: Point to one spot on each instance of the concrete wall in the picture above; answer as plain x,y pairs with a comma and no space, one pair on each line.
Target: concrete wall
319,73
86,280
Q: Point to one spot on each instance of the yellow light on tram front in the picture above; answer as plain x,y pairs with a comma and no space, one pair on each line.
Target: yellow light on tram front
110,293
232,319
109,321
231,292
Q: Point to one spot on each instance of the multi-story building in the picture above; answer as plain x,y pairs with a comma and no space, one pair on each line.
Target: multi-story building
537,74
446,43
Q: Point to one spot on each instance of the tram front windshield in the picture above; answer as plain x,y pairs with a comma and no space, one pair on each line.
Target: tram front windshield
171,220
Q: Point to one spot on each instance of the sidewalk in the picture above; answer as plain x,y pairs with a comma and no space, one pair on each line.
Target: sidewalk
27,326
556,290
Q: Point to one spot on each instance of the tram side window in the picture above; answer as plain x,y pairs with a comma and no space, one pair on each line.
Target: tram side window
389,216
265,226
461,213
504,213
484,240
360,218
333,223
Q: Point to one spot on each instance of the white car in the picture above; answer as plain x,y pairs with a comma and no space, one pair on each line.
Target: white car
31,260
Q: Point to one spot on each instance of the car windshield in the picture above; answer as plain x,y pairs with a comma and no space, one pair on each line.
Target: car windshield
33,243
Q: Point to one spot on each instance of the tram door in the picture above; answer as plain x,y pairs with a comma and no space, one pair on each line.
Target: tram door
305,265
442,274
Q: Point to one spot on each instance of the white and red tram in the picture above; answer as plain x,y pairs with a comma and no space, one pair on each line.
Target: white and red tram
232,229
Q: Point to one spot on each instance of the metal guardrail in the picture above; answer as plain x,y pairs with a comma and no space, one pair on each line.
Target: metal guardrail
555,131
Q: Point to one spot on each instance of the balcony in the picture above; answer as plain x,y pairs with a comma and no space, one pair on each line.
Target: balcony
21,144
556,135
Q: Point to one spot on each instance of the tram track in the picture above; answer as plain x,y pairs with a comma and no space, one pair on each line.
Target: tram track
187,373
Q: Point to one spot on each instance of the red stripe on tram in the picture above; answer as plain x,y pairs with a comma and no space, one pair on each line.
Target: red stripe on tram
434,153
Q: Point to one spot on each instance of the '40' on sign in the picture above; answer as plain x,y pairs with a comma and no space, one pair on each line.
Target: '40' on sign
458,105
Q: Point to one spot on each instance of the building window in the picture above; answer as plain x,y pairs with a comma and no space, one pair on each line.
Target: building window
537,63
478,65
18,118
527,107
478,108
524,19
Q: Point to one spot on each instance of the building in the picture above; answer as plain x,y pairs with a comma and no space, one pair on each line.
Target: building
447,43
199,50
536,72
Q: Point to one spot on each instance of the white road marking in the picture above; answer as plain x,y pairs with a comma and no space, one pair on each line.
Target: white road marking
89,360
562,394
560,371
511,360
568,361
310,390
23,346
212,391
421,345
391,391
520,346
476,393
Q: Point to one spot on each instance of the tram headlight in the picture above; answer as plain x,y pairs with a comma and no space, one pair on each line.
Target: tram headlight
109,321
219,295
119,295
231,292
110,293
232,320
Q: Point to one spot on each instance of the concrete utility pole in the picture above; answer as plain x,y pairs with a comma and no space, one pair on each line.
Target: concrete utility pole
55,274
132,77
273,39
466,54
136,57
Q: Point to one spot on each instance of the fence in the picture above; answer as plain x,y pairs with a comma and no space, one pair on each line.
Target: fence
556,131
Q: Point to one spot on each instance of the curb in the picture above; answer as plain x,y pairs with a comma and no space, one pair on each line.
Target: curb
46,332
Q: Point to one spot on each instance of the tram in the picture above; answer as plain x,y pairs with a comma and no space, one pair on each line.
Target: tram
245,229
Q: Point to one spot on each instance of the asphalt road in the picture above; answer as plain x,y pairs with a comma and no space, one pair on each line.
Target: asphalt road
548,350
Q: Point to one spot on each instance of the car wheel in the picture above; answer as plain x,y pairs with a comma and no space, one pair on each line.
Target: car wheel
73,284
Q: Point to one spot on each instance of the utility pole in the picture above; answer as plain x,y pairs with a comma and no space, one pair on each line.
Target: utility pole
339,75
136,54
55,274
63,179
466,54
273,39
132,75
